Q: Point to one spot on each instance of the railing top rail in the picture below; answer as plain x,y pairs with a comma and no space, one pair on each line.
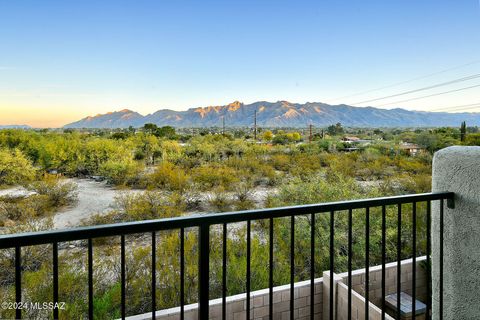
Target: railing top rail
116,229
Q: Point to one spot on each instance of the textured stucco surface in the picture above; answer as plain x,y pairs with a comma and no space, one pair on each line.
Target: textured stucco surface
457,169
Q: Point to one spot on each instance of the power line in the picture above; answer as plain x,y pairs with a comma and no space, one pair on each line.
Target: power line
457,108
430,95
406,81
475,76
255,125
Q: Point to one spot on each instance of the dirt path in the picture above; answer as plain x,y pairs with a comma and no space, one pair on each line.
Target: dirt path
97,198
93,197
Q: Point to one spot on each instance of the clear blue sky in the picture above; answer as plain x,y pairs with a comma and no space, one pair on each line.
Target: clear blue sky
61,60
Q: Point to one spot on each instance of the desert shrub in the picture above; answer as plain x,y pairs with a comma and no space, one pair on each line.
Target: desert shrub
170,150
322,187
242,195
11,210
372,165
170,177
213,176
149,205
121,172
59,192
105,304
407,183
303,165
246,204
73,281
280,162
33,257
15,168
192,198
16,210
49,194
342,164
112,216
413,165
219,200
253,169
138,280
472,139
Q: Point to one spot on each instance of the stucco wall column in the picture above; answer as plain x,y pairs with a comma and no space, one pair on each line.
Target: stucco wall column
457,169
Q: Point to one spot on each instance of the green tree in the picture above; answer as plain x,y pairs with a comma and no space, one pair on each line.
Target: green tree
335,129
463,131
165,132
150,128
428,140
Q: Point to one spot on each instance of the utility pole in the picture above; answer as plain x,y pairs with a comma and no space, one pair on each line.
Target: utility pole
255,125
310,137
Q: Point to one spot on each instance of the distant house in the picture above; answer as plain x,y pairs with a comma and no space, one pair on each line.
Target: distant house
412,149
355,143
351,139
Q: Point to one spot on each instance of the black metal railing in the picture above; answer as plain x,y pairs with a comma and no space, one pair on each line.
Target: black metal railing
204,223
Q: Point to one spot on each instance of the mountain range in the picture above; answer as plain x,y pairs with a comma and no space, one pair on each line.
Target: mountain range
279,114
15,126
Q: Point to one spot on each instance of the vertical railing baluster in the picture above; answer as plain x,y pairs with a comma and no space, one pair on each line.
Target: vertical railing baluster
429,262
182,273
350,252
270,271
384,240
367,261
154,274
399,257
18,281
203,271
122,265
224,272
55,279
90,279
414,257
248,268
332,236
441,260
312,266
292,265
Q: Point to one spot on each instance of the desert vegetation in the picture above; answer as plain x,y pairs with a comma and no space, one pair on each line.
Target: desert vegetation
177,173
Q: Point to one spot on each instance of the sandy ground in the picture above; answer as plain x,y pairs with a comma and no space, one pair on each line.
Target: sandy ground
16,192
93,197
97,198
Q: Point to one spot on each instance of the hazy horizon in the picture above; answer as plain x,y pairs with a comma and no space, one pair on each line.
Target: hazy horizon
208,106
66,61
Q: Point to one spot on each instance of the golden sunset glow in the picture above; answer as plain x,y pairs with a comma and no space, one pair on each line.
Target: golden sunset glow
39,117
